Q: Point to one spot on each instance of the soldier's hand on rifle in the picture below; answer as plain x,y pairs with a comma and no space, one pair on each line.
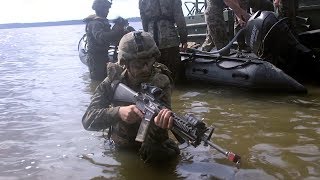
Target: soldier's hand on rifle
164,119
130,114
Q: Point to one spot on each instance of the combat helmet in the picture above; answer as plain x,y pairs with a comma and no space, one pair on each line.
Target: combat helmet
137,45
101,4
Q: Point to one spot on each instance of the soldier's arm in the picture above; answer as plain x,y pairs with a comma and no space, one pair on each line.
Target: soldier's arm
180,21
240,13
100,115
101,36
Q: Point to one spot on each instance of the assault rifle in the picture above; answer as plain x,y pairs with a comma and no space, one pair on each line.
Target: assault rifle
186,129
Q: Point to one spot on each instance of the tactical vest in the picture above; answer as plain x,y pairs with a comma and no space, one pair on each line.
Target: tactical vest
121,133
93,44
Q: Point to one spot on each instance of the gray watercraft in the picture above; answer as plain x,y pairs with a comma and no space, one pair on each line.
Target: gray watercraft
246,72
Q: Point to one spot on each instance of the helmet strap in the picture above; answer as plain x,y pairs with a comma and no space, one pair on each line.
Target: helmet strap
138,40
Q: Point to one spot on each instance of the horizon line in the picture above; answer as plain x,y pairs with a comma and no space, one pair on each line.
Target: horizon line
58,21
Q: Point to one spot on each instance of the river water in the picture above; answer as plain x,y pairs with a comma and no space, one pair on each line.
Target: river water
45,89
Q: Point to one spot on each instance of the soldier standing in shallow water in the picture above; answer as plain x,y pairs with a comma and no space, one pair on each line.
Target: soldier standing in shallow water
217,35
99,37
136,64
159,17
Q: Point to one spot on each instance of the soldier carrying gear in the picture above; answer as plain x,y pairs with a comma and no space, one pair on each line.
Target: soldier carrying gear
99,37
137,54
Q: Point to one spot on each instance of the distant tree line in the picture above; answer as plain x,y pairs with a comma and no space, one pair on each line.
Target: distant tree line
57,23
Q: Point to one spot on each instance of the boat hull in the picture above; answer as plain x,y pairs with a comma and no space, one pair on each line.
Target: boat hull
83,56
246,73
82,49
82,52
238,72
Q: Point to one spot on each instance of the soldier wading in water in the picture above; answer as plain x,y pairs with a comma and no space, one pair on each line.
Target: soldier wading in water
136,64
99,37
159,18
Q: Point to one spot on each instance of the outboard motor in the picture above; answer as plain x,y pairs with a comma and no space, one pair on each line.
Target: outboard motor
272,39
257,28
265,34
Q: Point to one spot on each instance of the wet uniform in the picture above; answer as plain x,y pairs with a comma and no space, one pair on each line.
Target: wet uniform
159,18
103,113
99,37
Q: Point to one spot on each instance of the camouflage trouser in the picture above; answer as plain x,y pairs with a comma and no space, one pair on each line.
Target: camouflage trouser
216,24
158,147
159,152
97,64
172,59
208,44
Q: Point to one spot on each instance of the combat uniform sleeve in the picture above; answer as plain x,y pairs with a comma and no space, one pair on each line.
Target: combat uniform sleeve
100,115
180,21
100,35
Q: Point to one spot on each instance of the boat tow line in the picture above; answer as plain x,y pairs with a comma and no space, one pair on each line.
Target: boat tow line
244,64
219,60
85,45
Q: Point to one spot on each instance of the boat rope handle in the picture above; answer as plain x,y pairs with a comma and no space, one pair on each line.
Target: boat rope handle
85,45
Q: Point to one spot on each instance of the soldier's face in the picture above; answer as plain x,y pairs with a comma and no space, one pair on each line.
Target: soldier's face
141,69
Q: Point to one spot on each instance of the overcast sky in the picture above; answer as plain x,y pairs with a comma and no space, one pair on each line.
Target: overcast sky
24,11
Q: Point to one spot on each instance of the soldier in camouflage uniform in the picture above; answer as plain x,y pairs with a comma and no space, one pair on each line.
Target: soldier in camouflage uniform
99,37
215,26
217,35
136,64
159,18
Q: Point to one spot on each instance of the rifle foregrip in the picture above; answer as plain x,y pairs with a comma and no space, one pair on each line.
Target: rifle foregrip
142,132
